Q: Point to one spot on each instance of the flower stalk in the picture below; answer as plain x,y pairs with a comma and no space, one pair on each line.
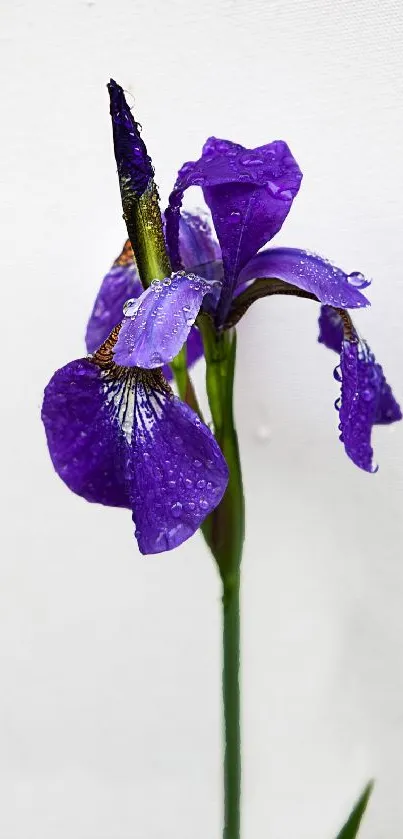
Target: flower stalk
224,533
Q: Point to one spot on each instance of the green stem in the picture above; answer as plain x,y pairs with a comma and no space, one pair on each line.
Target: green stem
224,534
231,700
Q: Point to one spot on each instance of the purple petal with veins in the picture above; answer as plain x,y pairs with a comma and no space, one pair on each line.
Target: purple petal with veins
249,193
156,326
119,437
310,272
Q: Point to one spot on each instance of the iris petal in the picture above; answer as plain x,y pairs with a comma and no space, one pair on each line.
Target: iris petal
120,283
309,272
157,325
119,437
331,332
249,193
196,242
366,400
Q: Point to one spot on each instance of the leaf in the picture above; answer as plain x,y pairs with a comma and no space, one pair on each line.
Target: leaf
352,825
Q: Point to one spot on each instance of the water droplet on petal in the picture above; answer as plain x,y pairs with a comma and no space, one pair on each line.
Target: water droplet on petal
368,394
129,308
203,503
197,463
201,484
337,403
234,217
176,509
250,160
358,280
286,194
337,373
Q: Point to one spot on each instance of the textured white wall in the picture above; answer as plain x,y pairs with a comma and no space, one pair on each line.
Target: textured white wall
110,664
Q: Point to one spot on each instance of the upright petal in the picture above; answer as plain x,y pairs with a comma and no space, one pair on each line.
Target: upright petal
157,325
365,398
196,243
249,193
119,437
311,273
121,283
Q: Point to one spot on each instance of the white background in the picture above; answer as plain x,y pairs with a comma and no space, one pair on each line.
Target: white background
110,663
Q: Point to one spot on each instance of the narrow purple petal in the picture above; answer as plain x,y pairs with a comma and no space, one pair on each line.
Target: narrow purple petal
157,325
311,273
134,165
120,438
331,332
121,283
365,401
249,193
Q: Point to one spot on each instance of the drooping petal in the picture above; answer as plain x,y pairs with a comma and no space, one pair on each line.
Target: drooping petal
310,272
86,442
157,325
249,193
119,437
365,398
196,243
331,332
121,283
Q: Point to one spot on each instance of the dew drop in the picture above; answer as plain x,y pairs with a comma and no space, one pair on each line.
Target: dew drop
197,463
337,403
201,484
337,373
203,503
129,307
357,280
368,394
176,509
250,160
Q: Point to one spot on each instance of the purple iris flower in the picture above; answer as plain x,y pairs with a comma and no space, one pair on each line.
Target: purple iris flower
116,433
